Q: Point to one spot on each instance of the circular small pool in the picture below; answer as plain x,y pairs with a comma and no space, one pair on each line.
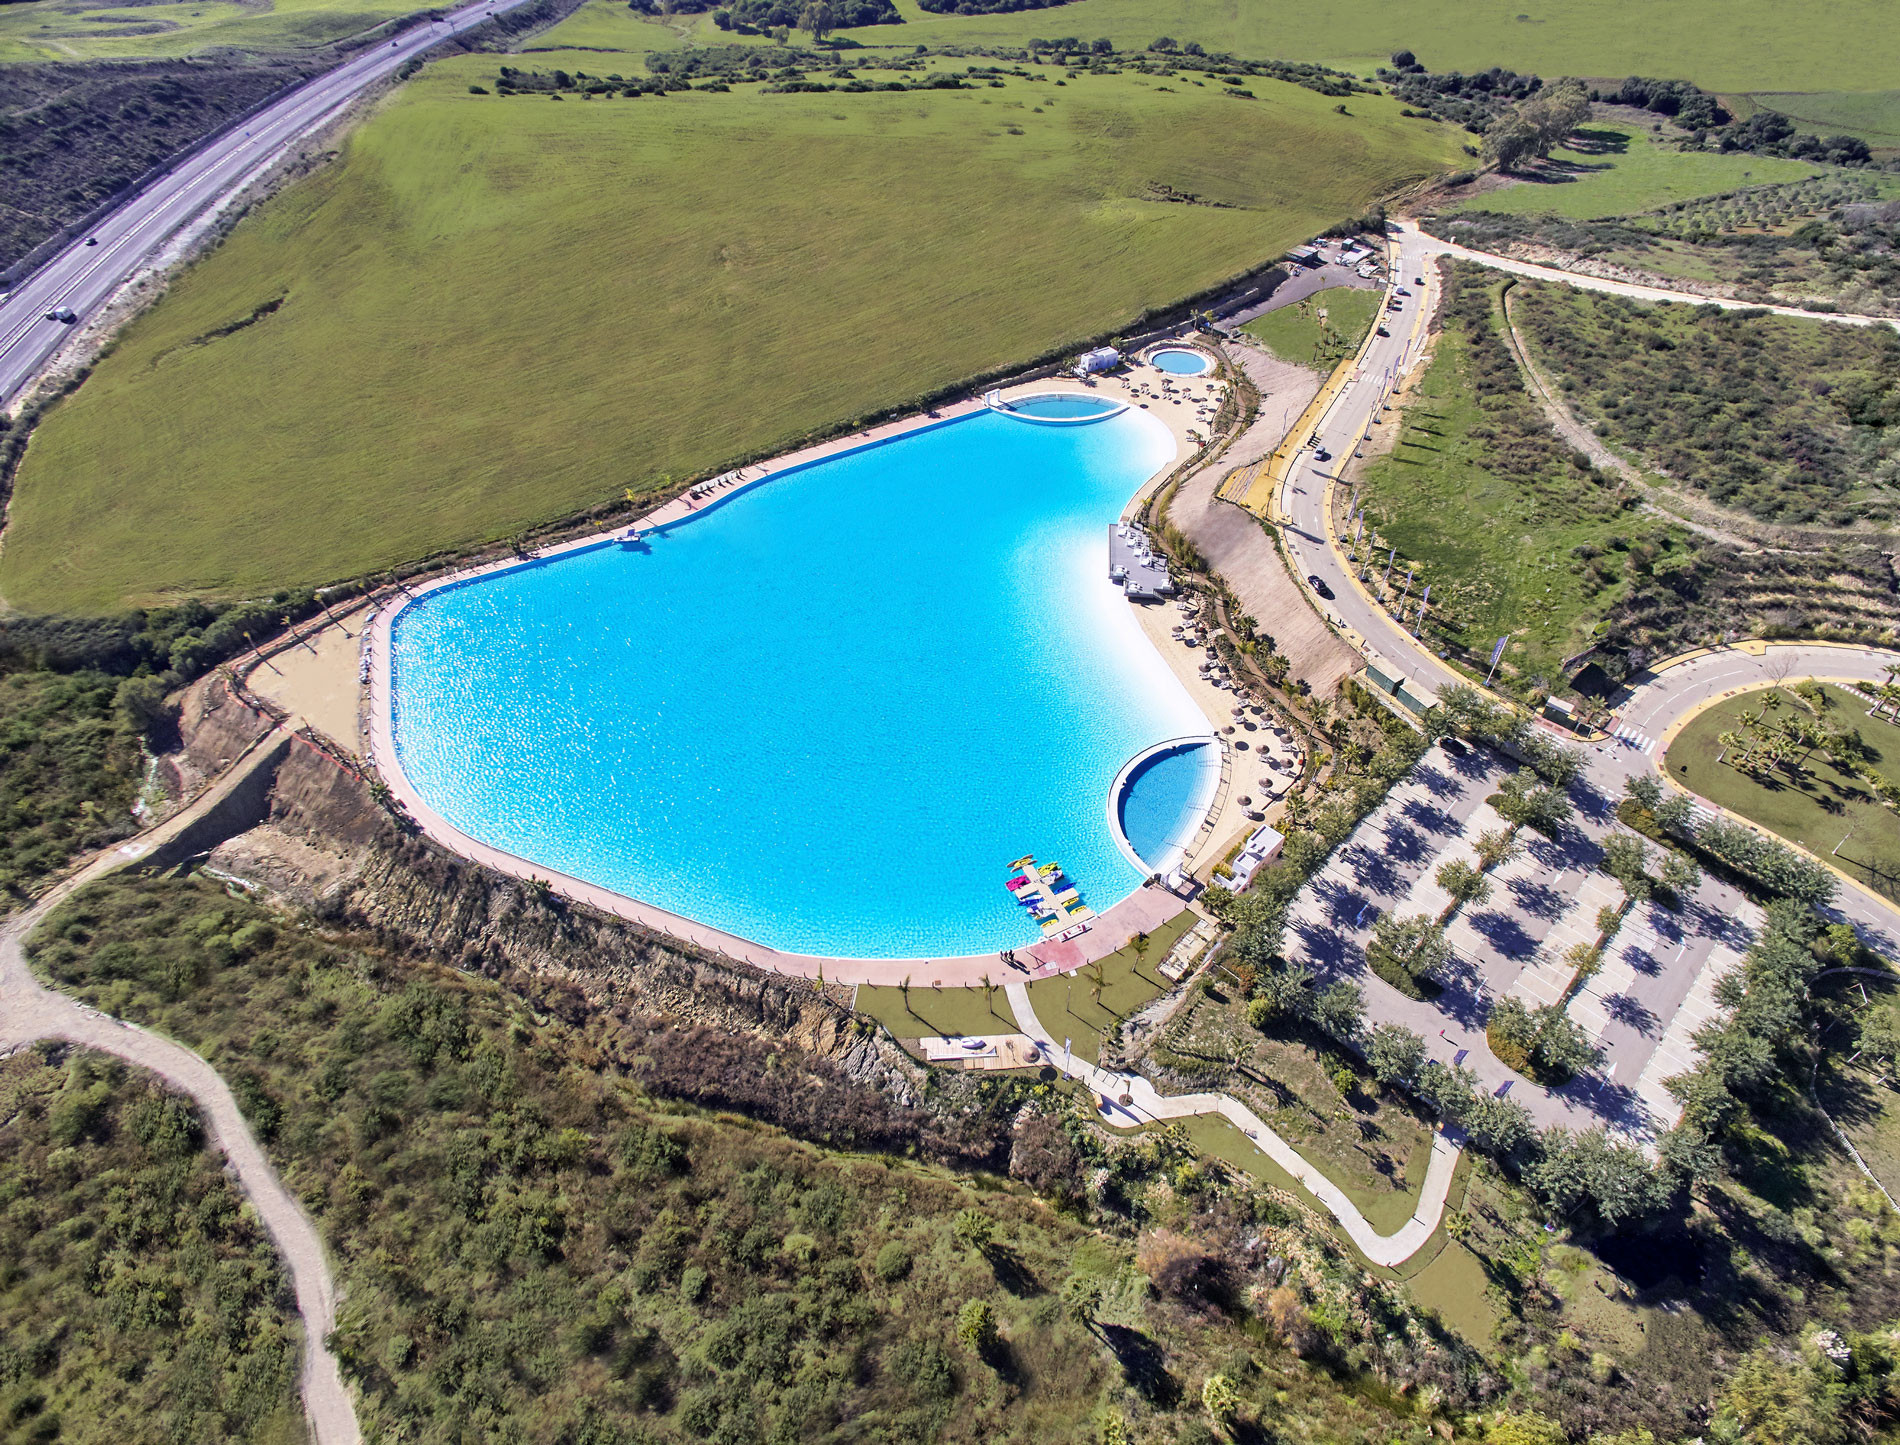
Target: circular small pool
1064,406
1182,361
1161,797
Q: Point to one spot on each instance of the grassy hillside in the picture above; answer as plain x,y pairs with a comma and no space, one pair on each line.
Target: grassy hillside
1719,44
496,311
139,1298
61,30
534,1245
1614,170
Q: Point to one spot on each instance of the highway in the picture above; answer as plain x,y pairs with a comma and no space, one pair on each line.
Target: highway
83,277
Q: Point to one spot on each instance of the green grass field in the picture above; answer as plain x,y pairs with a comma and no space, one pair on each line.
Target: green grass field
1620,170
1719,44
1495,551
1873,115
1067,1006
1321,329
611,25
495,312
63,30
1816,810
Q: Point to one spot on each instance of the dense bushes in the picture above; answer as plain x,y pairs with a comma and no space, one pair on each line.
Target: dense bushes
1788,420
69,770
138,1299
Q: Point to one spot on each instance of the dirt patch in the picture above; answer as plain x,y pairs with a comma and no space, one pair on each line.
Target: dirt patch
1240,547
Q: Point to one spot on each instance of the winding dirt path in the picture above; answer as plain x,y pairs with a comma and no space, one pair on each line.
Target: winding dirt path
29,1011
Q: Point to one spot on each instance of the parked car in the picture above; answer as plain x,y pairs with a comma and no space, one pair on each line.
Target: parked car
1454,747
1382,331
1314,581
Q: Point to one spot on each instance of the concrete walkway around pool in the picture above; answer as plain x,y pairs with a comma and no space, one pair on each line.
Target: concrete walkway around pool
1147,1106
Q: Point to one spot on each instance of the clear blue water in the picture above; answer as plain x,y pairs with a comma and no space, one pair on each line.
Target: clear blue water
1159,795
826,714
1065,406
1182,363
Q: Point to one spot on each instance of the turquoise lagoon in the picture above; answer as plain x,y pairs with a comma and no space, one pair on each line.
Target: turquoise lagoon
824,714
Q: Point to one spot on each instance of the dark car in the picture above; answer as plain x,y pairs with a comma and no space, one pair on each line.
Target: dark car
1313,580
1454,747
1320,454
92,240
1418,280
1382,331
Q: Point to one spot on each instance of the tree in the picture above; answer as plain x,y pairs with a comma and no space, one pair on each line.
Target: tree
1413,947
141,705
1495,1125
974,1228
1645,790
1220,1400
976,1327
1464,882
1529,804
1626,859
1879,1039
1497,847
1287,990
817,17
1680,874
1394,1053
1340,1010
1082,1298
1769,1400
1509,143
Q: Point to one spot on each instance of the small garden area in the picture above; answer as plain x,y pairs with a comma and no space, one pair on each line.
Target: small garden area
1808,768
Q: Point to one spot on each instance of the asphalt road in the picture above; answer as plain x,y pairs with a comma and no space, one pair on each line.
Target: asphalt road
1644,711
83,277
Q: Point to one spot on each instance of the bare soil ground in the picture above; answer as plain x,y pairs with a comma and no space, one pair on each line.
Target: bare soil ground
1237,544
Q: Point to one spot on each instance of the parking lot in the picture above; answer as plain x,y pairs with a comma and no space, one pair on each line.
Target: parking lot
1652,992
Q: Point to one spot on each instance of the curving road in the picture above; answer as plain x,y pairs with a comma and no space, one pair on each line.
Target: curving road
83,277
31,1011
1655,701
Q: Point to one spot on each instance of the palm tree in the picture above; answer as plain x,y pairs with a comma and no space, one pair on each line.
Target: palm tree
904,988
1727,741
989,994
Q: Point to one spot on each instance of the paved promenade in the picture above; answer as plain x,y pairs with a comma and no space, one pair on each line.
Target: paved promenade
1147,1106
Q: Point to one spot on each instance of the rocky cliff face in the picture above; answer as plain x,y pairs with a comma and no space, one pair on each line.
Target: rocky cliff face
330,847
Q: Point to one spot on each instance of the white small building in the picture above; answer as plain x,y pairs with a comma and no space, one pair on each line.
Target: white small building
1103,358
1263,846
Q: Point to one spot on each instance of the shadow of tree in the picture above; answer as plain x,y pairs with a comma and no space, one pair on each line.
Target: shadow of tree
1144,1365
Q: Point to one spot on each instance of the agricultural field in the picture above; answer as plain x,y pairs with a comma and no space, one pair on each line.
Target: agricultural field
1615,169
1810,799
64,30
1320,329
1718,44
612,25
141,1299
1726,404
494,311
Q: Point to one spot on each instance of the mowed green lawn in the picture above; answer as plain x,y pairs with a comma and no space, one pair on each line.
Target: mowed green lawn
494,312
1320,329
1617,170
1817,809
1719,44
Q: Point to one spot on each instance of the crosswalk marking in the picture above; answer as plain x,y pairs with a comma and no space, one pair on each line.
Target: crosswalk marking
1642,744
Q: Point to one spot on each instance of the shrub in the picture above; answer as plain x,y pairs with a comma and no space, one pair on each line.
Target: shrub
893,1263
